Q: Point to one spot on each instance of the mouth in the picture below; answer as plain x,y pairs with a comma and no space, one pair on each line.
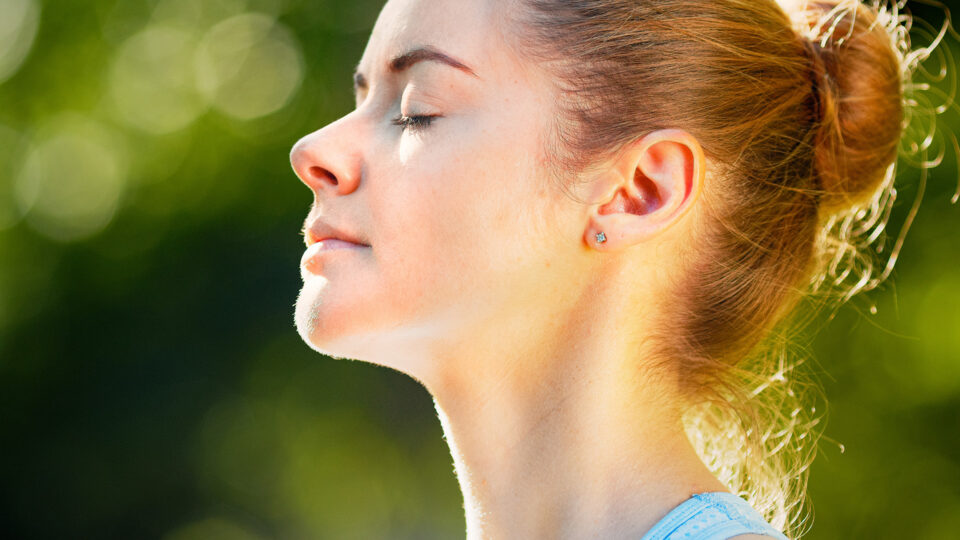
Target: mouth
321,232
329,241
322,246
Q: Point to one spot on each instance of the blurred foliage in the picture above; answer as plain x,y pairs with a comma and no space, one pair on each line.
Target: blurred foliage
151,382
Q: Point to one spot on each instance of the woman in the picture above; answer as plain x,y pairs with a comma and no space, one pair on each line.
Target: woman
580,223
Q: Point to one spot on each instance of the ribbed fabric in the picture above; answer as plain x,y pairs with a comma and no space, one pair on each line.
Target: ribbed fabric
711,516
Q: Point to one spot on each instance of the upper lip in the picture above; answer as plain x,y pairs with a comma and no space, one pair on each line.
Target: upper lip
320,230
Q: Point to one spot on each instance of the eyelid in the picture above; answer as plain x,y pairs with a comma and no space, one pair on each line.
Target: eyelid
423,101
423,94
414,122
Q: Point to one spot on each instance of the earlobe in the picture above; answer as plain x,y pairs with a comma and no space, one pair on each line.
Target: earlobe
656,180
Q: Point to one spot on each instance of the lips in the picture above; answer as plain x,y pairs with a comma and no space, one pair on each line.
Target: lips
321,230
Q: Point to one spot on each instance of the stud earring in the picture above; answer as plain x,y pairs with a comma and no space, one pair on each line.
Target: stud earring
601,238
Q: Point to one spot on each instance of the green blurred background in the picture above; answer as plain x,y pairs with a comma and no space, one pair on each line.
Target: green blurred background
151,382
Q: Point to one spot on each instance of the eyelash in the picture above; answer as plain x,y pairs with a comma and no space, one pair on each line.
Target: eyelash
414,123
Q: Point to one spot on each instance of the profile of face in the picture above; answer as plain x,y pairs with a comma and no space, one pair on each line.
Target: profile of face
460,237
438,177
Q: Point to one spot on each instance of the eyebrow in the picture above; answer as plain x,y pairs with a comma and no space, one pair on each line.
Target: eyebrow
409,58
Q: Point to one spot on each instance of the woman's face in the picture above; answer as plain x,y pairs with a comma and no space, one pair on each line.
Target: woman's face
461,224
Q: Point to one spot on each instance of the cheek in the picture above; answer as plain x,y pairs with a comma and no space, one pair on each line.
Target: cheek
431,233
461,217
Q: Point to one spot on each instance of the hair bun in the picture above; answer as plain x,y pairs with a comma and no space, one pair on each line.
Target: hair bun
858,81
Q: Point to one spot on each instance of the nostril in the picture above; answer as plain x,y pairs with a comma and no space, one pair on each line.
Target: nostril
320,173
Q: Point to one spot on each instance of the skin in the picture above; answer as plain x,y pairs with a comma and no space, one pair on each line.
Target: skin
485,282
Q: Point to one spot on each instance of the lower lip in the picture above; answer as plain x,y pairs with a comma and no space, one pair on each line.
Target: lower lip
313,254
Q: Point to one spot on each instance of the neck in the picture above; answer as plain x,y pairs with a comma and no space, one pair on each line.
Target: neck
565,434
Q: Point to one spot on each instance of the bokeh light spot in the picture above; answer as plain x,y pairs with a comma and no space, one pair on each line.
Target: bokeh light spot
196,15
11,150
71,180
19,20
249,66
152,82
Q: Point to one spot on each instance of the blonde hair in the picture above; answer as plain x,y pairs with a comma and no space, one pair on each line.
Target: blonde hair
801,107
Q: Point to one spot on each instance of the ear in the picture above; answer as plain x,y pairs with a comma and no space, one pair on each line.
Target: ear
653,182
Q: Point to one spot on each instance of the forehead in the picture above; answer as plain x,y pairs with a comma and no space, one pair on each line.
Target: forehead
468,30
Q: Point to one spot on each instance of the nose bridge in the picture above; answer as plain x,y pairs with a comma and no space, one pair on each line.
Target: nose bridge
329,159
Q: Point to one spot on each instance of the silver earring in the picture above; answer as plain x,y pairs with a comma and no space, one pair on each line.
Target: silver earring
601,238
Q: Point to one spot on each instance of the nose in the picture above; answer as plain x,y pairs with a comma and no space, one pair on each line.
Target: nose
327,160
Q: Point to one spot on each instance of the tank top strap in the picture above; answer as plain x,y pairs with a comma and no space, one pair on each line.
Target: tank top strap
716,515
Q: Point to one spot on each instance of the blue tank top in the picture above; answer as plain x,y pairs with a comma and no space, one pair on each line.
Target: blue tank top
717,515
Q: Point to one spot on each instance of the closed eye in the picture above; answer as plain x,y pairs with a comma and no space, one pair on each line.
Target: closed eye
414,123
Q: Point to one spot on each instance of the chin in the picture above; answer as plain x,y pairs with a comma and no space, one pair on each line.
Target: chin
342,331
316,322
332,324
